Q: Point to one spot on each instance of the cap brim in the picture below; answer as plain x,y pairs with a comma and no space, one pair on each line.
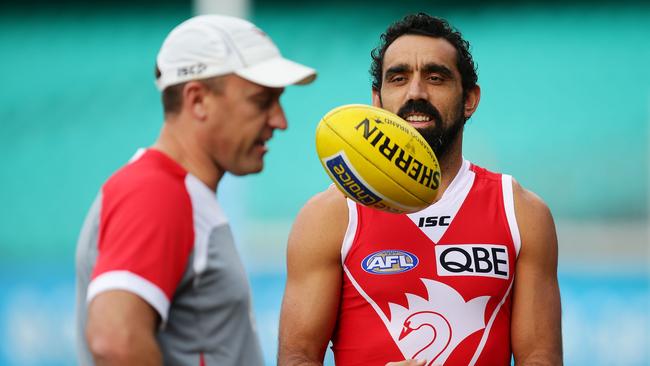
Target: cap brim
278,73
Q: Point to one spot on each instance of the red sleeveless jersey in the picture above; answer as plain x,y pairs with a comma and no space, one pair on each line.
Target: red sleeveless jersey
435,284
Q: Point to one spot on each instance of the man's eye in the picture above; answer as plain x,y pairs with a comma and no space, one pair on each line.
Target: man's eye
436,78
397,79
264,103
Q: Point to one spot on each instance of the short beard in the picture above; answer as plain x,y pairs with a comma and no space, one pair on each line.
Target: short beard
441,139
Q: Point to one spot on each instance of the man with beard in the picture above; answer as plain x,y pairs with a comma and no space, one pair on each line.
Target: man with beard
435,287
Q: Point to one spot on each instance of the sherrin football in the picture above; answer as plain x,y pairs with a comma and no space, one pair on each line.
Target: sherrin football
377,159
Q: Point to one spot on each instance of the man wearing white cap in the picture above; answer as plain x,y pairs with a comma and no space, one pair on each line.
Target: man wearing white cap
159,279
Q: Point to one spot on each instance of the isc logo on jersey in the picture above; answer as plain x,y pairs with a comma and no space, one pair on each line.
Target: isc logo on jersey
485,260
389,262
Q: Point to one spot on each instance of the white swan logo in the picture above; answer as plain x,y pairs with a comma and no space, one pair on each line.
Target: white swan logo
424,330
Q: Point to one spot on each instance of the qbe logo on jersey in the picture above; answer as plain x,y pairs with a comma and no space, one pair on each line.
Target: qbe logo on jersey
486,260
389,262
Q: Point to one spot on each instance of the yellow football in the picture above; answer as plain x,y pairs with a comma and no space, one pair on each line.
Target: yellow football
377,159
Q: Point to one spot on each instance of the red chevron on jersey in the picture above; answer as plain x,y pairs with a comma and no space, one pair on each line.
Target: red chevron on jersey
434,284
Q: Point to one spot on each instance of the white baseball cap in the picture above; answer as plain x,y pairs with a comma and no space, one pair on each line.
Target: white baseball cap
212,45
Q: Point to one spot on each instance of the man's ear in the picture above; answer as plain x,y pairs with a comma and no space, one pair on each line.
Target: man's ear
472,99
376,98
194,98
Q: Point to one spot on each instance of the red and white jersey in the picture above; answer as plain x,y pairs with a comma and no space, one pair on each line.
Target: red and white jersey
157,231
435,284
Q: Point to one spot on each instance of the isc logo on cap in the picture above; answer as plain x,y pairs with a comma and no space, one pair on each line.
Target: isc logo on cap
486,260
389,262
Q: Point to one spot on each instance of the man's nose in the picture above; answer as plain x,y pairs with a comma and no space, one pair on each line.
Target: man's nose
416,90
277,119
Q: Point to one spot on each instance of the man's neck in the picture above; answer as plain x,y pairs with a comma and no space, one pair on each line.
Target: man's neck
450,165
176,143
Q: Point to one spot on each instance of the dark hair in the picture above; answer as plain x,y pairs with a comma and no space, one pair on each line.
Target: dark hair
426,25
172,96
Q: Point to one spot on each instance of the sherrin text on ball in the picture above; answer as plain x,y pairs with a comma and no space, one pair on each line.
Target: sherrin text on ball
377,159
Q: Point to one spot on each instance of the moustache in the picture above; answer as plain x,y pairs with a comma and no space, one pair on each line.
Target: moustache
419,106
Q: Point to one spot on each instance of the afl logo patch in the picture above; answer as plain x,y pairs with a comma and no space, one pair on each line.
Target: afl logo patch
389,262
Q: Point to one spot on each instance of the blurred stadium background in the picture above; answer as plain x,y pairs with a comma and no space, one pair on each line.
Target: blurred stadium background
565,109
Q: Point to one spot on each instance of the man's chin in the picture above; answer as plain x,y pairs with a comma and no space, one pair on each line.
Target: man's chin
248,169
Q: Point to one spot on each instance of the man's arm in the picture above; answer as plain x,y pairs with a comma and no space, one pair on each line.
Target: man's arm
314,275
121,330
536,319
